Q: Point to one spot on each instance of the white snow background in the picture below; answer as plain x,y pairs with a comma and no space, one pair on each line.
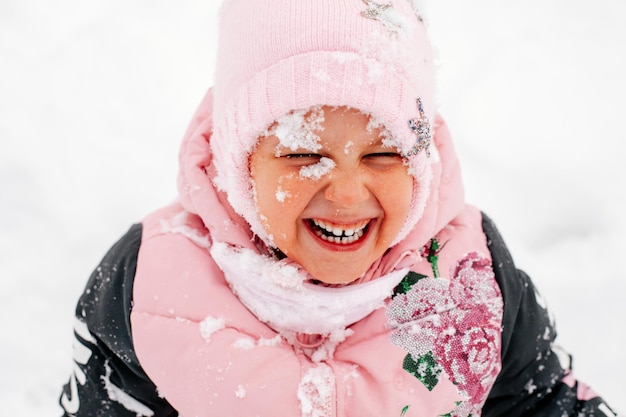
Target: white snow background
95,97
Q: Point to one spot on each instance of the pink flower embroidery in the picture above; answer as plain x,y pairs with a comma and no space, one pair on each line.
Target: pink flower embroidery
453,327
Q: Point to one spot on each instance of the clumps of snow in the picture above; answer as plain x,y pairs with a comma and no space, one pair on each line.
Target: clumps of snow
318,170
177,224
315,392
530,386
296,130
240,392
247,343
210,325
386,136
183,320
272,273
119,396
281,195
274,341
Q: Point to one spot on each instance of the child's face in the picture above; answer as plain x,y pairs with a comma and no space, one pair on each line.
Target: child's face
336,206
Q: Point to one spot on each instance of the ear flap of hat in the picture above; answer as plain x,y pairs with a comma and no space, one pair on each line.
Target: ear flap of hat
445,197
197,193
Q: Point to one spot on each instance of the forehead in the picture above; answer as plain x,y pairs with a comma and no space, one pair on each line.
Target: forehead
324,126
342,119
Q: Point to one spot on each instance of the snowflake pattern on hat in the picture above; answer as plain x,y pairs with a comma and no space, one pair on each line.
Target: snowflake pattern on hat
452,327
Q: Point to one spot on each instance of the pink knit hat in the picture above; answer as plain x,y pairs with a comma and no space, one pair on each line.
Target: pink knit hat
276,56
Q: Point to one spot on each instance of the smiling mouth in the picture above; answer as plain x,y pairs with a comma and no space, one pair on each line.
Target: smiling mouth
340,234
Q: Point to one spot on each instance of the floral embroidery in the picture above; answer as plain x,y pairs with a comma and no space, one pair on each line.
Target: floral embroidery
452,327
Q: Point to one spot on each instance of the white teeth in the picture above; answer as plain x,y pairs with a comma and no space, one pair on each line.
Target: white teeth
352,237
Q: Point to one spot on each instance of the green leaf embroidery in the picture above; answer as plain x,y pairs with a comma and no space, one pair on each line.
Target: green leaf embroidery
404,410
433,256
407,282
426,369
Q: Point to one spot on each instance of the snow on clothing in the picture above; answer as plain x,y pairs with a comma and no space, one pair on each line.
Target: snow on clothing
109,380
160,330
193,314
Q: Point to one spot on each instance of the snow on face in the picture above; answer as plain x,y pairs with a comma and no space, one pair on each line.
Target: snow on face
293,184
414,165
318,170
348,146
387,138
296,130
281,194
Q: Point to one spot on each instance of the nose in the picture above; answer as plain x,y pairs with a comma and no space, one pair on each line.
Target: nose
346,189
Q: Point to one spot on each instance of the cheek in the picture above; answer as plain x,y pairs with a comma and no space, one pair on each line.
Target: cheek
395,196
280,201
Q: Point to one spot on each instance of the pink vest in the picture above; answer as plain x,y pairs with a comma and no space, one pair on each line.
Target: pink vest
432,350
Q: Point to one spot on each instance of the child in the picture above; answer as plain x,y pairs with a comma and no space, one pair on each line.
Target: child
321,260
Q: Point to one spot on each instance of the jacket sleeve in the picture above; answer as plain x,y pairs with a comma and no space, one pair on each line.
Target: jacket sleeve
107,379
536,377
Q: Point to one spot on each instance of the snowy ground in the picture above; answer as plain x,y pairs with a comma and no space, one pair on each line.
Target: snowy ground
95,95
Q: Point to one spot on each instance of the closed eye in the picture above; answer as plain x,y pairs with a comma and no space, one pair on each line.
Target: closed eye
301,155
383,155
383,160
298,160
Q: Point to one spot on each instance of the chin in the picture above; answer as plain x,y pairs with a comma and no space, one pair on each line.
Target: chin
335,279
